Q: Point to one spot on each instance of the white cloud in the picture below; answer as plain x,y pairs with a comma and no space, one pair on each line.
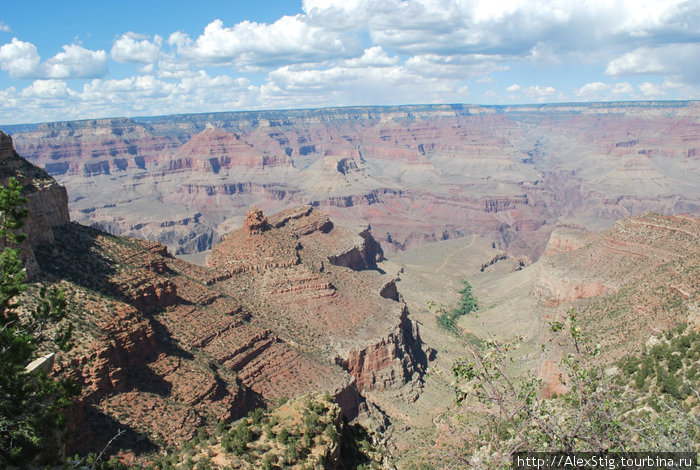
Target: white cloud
336,86
372,57
514,88
592,89
518,28
542,93
670,59
136,48
455,66
651,90
604,91
21,60
18,58
75,62
4,27
289,40
47,89
623,88
338,15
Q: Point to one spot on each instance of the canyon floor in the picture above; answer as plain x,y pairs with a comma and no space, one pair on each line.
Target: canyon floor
520,299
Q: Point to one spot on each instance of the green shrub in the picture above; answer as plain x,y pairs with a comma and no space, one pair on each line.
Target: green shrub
331,432
283,436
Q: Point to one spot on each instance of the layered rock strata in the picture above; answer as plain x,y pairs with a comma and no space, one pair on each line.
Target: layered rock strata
317,282
47,201
163,347
633,280
414,173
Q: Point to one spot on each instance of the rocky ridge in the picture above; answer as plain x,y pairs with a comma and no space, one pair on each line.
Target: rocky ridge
318,282
636,279
164,347
413,173
47,201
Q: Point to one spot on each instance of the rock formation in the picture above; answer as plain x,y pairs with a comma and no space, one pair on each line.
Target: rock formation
47,201
414,173
635,279
164,347
317,282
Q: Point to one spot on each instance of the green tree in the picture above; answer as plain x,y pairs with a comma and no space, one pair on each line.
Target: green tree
31,406
468,303
448,319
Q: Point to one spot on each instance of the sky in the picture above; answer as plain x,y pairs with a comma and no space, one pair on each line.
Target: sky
91,59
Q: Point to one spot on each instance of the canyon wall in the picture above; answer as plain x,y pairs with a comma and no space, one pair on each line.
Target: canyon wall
47,201
414,174
289,304
636,279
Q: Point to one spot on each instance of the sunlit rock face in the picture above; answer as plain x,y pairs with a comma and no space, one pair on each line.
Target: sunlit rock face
414,174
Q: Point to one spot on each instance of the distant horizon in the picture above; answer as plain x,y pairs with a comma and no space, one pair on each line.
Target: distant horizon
63,61
321,108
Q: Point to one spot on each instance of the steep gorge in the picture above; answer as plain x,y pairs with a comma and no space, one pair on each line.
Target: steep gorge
164,347
414,174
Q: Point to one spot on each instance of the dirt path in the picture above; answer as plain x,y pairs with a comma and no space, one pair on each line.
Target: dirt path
447,260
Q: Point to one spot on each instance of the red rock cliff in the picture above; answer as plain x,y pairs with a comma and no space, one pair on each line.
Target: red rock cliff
47,201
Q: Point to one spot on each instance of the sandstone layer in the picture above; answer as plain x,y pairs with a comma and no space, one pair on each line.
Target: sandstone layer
636,279
47,201
414,174
289,305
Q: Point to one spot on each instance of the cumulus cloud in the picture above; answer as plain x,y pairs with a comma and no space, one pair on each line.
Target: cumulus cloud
339,85
671,59
372,57
289,40
75,62
519,28
53,99
21,60
651,90
338,15
47,89
136,48
514,88
604,91
4,27
455,66
542,93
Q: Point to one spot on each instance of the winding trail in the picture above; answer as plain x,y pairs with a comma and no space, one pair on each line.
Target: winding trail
447,260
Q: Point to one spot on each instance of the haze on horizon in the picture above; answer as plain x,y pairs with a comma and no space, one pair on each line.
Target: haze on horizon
79,60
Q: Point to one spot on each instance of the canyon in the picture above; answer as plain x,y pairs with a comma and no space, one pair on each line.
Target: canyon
320,236
288,305
413,174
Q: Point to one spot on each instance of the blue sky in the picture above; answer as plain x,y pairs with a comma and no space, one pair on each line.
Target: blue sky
91,59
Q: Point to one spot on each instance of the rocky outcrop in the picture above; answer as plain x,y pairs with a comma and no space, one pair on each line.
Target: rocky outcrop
391,363
364,253
558,286
255,222
495,259
634,279
302,221
47,201
344,310
164,347
148,293
566,238
390,291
